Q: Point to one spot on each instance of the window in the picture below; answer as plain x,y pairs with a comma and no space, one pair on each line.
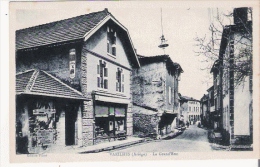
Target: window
120,80
102,75
72,62
111,41
170,95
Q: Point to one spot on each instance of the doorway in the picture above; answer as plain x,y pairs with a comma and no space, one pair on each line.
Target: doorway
70,119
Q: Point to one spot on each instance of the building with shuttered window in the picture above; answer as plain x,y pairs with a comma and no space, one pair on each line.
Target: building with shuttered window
73,83
155,95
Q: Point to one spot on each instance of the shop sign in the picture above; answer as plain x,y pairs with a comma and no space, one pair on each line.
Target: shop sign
43,111
72,63
45,137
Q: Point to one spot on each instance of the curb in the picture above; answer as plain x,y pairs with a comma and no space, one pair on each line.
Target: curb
97,150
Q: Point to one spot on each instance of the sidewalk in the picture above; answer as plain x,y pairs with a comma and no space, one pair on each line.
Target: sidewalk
172,135
94,148
110,145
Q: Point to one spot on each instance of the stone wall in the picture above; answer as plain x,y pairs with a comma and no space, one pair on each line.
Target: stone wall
129,120
129,115
149,85
145,122
53,60
87,112
87,123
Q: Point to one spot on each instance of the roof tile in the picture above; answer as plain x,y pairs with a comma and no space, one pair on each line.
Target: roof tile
44,84
59,31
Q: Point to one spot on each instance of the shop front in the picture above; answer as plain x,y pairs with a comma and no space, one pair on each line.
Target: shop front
48,113
110,119
45,122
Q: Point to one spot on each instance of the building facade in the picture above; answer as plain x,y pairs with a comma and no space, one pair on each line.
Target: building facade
205,110
237,93
190,110
217,95
155,93
234,69
90,55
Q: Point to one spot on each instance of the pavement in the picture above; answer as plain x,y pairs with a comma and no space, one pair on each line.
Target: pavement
95,148
111,145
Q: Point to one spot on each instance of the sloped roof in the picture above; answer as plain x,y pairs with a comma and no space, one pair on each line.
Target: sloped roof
145,111
186,98
35,82
70,30
159,58
229,30
58,31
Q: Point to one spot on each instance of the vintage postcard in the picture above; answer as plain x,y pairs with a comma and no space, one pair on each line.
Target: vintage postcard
131,81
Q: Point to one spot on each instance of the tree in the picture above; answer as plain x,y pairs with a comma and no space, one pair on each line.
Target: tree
221,28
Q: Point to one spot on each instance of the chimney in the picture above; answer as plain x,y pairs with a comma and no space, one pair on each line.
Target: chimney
240,15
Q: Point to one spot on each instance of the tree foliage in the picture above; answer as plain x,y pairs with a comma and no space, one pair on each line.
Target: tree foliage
208,46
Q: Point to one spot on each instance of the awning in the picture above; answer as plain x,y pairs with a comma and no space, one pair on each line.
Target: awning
169,112
103,96
38,82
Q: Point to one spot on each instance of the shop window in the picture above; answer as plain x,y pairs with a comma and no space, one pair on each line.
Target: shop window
120,80
102,75
110,120
111,41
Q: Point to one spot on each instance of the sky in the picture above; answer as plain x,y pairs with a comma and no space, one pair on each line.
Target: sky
182,22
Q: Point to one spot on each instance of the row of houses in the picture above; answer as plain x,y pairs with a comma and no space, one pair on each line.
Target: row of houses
190,110
79,81
227,107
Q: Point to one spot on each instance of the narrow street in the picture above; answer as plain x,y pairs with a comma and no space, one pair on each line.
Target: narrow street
193,139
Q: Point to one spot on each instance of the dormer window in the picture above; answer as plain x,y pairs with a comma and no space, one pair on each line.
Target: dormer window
111,41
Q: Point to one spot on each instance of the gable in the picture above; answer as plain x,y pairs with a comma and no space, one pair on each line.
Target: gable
100,44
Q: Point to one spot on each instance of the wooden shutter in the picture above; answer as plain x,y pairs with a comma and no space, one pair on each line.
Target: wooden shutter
98,82
117,86
98,69
105,84
105,72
